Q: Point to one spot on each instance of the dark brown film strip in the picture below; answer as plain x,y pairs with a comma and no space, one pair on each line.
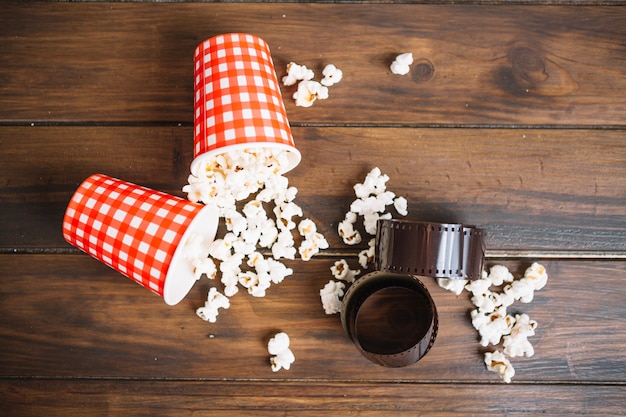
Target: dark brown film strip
438,250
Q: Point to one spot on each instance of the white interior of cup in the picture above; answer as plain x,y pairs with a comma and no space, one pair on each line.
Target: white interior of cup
180,275
293,154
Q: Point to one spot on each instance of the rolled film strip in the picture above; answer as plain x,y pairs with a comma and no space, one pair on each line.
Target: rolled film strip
438,250
391,318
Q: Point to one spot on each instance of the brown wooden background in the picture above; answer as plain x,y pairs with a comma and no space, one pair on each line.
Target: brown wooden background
513,118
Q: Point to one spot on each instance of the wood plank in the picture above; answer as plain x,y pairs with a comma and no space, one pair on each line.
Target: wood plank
69,398
70,316
514,65
531,189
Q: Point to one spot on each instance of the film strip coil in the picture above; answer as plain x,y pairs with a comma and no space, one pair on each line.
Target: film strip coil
438,250
391,318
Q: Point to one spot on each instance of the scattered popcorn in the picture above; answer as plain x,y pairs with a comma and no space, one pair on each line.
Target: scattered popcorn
490,317
498,363
297,73
283,356
372,200
341,270
371,203
332,75
215,300
331,296
308,92
401,65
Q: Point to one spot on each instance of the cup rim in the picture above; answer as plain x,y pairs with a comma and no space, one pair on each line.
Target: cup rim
180,278
293,156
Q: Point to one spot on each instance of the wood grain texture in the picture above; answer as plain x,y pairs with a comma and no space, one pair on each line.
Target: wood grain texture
69,398
515,65
529,188
70,316
512,118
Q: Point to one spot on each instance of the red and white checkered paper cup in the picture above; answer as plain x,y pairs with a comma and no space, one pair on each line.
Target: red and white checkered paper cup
138,232
238,104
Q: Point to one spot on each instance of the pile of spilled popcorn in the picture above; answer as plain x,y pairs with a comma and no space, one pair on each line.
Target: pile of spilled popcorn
259,211
491,295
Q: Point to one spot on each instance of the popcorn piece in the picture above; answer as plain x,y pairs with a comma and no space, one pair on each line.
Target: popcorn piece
309,91
370,220
374,183
517,344
284,213
537,274
486,303
283,356
455,285
401,65
499,274
400,204
341,270
277,271
498,363
256,287
297,73
312,245
330,295
479,286
283,247
220,249
521,289
215,301
204,266
366,256
492,326
332,75
347,232
307,228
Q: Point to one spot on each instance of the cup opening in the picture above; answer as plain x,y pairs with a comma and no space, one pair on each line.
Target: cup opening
293,155
180,274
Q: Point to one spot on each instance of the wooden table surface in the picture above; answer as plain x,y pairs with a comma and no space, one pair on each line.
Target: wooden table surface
513,118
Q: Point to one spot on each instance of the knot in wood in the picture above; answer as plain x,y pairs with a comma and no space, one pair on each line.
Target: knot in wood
528,66
423,70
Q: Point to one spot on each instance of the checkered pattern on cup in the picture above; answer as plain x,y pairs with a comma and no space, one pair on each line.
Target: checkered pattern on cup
138,232
237,101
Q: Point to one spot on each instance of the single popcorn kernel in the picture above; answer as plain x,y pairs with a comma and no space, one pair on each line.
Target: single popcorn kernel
283,356
498,363
332,75
401,65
